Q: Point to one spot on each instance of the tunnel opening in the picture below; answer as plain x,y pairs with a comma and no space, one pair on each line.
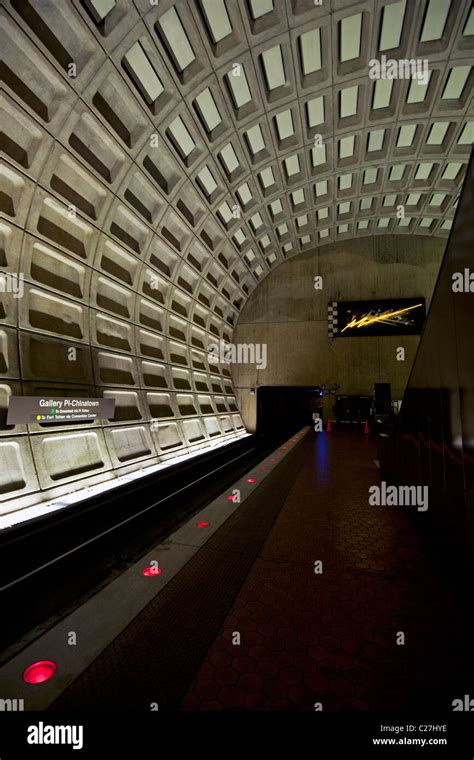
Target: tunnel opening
286,409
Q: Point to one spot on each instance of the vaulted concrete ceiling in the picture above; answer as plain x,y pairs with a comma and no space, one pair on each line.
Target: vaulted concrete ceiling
161,158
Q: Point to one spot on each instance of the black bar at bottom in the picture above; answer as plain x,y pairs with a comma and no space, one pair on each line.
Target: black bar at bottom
318,735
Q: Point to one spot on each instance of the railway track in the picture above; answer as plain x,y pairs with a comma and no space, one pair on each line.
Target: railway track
53,563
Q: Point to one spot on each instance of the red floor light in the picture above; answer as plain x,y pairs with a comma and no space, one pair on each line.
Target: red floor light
264,468
230,498
148,572
202,524
39,671
251,480
273,459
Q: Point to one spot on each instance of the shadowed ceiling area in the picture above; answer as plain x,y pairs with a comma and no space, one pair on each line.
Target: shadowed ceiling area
161,158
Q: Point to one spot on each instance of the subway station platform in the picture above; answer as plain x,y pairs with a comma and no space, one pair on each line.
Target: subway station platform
301,600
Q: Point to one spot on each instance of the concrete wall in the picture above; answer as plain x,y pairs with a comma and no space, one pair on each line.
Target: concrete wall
288,314
433,443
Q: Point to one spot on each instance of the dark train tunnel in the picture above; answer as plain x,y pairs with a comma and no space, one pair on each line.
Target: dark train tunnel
237,373
288,409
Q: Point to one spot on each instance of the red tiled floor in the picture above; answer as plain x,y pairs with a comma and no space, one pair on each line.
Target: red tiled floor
330,637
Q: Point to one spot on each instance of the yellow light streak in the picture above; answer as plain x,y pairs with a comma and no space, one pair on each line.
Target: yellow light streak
368,320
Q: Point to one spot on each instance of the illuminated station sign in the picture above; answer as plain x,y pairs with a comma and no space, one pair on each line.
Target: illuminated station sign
29,409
